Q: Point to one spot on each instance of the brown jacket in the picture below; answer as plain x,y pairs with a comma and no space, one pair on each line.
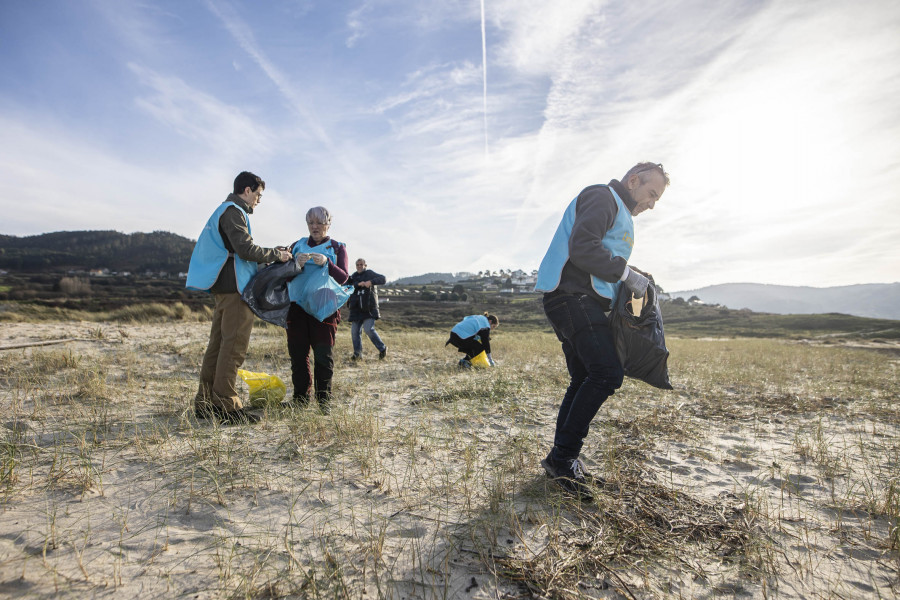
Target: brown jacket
236,236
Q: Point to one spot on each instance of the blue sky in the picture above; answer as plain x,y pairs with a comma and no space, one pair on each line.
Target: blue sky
778,122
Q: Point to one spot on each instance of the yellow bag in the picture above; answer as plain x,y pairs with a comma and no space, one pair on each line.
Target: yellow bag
480,360
264,388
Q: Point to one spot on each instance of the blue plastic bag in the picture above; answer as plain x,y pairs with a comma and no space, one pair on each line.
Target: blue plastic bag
317,292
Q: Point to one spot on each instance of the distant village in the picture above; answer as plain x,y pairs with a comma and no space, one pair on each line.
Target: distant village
464,283
460,286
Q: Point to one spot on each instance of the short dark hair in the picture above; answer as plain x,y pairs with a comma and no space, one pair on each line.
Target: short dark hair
646,167
246,179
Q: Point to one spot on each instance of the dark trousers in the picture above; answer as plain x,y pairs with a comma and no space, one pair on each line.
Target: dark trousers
470,346
594,368
305,333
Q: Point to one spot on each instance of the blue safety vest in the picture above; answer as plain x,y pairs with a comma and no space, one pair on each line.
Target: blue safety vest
210,255
302,246
618,240
471,325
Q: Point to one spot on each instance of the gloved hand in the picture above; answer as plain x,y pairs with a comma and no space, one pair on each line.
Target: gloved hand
491,360
636,282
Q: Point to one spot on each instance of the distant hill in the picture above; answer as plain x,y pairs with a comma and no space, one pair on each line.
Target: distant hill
85,250
427,278
876,300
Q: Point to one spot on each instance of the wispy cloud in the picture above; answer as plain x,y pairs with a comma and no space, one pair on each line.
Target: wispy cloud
201,117
244,36
356,23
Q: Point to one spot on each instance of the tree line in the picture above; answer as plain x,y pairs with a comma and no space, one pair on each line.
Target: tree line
158,251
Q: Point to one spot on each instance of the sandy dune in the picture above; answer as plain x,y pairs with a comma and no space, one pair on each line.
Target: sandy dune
771,471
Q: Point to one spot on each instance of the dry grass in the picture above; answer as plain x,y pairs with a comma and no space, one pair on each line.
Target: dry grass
771,470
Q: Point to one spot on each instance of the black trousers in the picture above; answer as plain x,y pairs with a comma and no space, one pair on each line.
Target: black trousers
305,333
470,346
595,372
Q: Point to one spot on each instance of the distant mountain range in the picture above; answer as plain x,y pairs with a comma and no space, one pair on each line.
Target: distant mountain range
877,300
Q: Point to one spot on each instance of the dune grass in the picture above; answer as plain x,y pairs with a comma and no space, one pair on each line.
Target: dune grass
771,470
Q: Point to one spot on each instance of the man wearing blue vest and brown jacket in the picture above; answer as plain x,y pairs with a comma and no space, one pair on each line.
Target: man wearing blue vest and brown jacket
584,269
224,260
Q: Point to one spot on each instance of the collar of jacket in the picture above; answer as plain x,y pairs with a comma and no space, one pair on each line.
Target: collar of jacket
240,202
624,194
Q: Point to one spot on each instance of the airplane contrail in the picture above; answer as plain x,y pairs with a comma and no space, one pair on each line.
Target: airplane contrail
484,72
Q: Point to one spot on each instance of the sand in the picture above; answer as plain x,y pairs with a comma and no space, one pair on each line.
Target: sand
418,485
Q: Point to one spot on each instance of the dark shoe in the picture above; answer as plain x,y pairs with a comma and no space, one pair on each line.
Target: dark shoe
226,417
356,356
464,363
240,417
570,476
295,402
382,354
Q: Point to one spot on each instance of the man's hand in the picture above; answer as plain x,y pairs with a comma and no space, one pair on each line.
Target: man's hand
636,282
365,284
283,254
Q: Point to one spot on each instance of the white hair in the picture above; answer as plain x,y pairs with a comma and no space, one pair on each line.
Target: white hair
320,214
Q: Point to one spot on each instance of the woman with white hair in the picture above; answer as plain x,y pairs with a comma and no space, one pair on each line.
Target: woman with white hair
304,331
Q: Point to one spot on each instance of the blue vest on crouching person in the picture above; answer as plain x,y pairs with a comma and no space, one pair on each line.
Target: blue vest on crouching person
302,246
619,240
210,254
471,325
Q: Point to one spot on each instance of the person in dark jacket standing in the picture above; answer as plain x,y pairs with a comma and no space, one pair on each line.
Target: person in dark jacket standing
304,331
472,336
364,309
223,261
584,269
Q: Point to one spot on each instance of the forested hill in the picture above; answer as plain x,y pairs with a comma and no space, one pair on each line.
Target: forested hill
84,250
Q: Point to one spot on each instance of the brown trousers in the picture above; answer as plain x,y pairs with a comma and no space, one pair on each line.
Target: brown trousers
229,339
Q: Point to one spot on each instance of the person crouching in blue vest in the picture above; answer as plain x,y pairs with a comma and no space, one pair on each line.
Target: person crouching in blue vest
472,336
580,275
223,261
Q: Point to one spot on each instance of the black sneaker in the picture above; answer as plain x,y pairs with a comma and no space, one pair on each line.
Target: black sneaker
356,356
382,354
295,402
464,363
240,417
570,476
226,417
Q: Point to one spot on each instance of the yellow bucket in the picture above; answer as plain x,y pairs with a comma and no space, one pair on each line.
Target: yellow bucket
480,360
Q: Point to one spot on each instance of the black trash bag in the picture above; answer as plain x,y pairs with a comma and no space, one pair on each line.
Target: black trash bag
267,293
640,341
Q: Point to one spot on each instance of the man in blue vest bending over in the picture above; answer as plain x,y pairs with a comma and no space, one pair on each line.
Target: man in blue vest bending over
224,260
583,270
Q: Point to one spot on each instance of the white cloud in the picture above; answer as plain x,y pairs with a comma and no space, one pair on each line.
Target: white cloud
201,117
356,23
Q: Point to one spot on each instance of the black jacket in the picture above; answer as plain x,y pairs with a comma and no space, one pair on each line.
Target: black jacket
364,301
594,216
